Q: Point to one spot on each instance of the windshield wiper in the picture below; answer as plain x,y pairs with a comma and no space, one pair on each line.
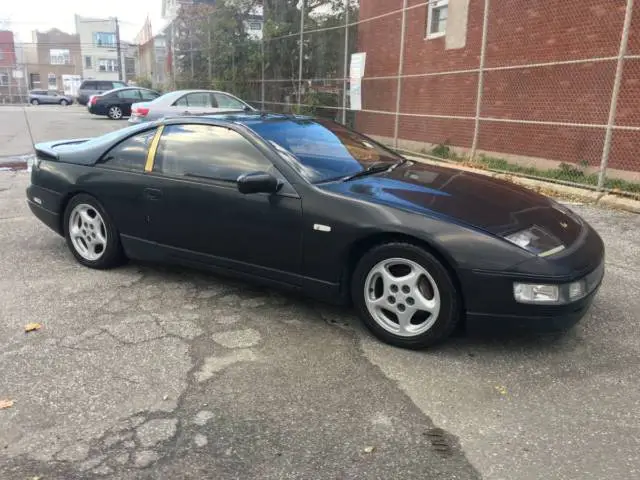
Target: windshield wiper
375,168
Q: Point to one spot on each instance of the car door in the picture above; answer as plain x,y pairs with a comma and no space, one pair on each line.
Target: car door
227,102
118,182
193,103
128,98
195,207
51,97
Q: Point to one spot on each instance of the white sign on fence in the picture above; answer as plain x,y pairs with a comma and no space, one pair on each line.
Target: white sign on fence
356,72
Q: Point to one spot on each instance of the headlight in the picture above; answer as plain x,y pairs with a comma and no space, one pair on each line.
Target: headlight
549,294
536,240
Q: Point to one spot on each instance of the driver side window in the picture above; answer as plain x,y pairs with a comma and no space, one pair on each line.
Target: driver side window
207,152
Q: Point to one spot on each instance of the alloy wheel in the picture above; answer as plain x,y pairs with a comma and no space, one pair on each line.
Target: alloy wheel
87,232
402,297
115,113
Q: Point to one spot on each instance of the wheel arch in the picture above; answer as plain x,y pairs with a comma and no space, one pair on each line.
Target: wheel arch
361,246
65,201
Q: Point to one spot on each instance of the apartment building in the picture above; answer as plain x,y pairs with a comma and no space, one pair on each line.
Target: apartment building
98,45
51,59
8,84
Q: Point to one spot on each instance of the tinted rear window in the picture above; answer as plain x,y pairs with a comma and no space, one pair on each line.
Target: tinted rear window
88,86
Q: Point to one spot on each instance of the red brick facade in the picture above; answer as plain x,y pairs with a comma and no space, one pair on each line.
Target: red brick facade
520,32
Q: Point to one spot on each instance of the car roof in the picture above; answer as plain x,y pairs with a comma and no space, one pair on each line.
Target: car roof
246,118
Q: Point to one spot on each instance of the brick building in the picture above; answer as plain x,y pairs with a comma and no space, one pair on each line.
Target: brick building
51,56
8,83
548,73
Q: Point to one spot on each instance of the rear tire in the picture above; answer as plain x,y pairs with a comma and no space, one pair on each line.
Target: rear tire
91,234
405,296
35,102
115,112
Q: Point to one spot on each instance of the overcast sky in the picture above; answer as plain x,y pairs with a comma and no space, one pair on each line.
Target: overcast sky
23,16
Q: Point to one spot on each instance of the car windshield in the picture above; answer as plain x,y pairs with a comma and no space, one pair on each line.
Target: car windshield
326,150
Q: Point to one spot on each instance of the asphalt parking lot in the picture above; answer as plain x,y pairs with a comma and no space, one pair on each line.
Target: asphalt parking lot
157,372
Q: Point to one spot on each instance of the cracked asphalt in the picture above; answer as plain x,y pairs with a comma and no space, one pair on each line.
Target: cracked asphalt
156,372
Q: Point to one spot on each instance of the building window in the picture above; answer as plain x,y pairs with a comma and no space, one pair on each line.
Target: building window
52,81
437,12
35,80
255,26
104,39
59,56
87,62
1,55
4,79
107,65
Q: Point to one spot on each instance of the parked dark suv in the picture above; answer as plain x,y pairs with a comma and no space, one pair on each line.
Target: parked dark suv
96,87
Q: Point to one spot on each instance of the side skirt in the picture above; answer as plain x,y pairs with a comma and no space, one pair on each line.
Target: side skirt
148,251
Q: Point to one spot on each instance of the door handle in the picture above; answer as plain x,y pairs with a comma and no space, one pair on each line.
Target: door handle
152,194
186,112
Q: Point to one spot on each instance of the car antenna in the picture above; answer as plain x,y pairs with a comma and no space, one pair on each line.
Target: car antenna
26,120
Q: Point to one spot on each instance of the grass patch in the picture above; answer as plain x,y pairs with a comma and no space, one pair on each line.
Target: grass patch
565,172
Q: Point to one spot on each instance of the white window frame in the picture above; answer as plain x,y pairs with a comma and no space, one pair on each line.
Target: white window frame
59,56
109,64
50,86
89,64
435,5
4,79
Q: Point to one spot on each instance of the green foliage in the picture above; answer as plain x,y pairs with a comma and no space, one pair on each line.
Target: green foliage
565,172
144,82
218,53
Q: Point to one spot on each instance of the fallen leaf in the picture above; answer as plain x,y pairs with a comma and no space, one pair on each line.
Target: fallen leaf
501,390
6,404
369,449
31,327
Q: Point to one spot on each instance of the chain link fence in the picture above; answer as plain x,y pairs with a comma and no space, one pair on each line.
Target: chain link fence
543,89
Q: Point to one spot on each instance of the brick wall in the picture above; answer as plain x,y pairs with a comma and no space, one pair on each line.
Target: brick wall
520,32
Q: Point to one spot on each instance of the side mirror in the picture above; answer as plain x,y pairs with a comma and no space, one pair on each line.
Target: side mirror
258,182
248,109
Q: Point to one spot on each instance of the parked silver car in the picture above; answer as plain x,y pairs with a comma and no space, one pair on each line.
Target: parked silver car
50,97
187,102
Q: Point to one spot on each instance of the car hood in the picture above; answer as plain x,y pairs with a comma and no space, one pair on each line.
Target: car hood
480,201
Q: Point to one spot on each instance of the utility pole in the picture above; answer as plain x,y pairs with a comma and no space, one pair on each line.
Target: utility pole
118,50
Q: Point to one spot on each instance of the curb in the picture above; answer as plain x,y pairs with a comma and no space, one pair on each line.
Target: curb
547,188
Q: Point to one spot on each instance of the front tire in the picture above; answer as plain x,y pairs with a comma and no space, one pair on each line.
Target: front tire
115,112
90,233
64,103
35,102
405,296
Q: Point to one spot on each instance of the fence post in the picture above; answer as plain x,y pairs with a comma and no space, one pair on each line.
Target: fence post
622,51
403,29
301,53
483,52
346,61
262,68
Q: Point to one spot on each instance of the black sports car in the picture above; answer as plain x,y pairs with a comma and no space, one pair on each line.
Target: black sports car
316,207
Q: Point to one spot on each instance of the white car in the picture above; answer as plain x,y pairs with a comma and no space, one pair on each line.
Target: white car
187,102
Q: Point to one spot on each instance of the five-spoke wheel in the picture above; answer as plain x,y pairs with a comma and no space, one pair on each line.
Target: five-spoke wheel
90,234
115,112
405,295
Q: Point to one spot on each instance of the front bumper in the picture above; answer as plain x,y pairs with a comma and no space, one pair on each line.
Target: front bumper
490,302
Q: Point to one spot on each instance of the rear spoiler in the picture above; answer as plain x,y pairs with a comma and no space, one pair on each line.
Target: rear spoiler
47,150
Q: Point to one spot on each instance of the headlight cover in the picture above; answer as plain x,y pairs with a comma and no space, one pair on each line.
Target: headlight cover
536,240
549,294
